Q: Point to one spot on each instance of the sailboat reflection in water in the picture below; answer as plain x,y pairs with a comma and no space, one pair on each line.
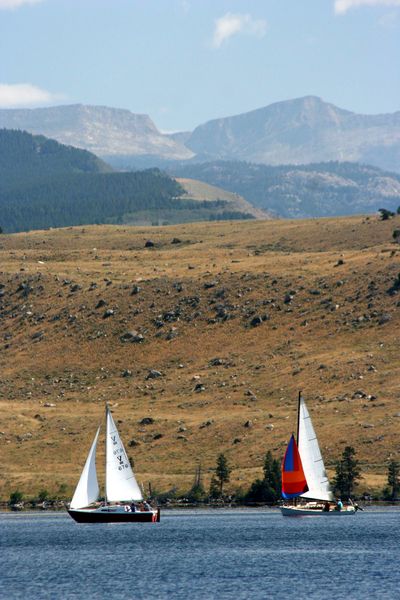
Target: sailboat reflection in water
123,498
305,484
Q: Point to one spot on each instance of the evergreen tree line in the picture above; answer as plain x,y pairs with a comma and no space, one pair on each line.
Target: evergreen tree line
93,198
267,489
264,490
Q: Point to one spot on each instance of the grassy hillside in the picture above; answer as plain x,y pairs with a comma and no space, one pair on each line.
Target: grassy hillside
253,311
199,190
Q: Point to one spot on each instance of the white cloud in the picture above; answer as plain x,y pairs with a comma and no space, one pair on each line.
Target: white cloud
10,4
342,6
232,24
24,94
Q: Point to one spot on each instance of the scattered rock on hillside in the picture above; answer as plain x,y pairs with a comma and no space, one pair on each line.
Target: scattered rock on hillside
385,319
135,290
146,421
132,337
132,443
126,373
108,313
101,303
176,240
215,362
39,335
153,374
210,284
206,424
250,394
149,244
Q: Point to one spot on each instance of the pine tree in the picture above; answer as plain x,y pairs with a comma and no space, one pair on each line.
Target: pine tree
222,472
197,492
214,488
394,479
347,472
267,489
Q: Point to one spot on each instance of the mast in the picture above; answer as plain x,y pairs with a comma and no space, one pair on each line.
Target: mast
105,470
298,417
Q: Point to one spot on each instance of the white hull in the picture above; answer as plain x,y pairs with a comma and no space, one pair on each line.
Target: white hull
315,511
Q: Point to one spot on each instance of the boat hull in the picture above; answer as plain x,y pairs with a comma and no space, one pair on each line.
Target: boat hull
114,516
299,511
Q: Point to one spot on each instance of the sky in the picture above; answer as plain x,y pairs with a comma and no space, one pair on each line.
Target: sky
185,62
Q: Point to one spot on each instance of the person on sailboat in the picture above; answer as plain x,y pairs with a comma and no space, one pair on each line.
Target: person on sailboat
339,505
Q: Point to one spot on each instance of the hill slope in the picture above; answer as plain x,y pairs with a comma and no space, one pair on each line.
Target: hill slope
198,190
251,311
325,189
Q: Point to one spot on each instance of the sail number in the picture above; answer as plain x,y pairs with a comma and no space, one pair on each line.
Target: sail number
119,454
121,459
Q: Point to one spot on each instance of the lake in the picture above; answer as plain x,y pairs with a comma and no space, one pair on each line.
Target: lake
202,554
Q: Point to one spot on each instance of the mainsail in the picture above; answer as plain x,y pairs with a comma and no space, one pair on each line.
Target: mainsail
120,481
293,480
311,458
87,490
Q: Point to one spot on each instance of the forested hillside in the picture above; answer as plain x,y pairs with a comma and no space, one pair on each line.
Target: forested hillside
78,199
26,158
45,184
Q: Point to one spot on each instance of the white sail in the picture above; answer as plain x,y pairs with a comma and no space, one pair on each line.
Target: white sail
87,490
120,481
311,458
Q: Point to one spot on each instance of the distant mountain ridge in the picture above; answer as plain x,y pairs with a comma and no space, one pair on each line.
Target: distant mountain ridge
99,129
298,131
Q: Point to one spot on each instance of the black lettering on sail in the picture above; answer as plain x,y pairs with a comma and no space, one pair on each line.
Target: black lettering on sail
114,439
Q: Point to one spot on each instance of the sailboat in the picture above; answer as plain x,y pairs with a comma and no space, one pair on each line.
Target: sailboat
305,483
123,497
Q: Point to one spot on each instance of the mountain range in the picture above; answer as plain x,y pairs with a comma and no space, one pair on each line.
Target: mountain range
299,131
102,130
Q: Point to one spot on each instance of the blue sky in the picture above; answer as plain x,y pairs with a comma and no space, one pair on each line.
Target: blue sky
184,62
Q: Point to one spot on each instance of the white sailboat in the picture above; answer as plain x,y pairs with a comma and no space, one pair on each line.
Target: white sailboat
318,498
123,497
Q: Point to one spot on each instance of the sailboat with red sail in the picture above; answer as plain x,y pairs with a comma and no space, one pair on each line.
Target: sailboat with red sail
305,484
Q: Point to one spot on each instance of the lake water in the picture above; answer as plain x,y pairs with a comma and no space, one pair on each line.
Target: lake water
222,554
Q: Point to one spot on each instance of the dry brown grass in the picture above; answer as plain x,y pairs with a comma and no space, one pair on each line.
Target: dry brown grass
316,343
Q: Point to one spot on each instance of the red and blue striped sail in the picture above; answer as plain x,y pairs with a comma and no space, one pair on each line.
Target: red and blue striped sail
293,479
